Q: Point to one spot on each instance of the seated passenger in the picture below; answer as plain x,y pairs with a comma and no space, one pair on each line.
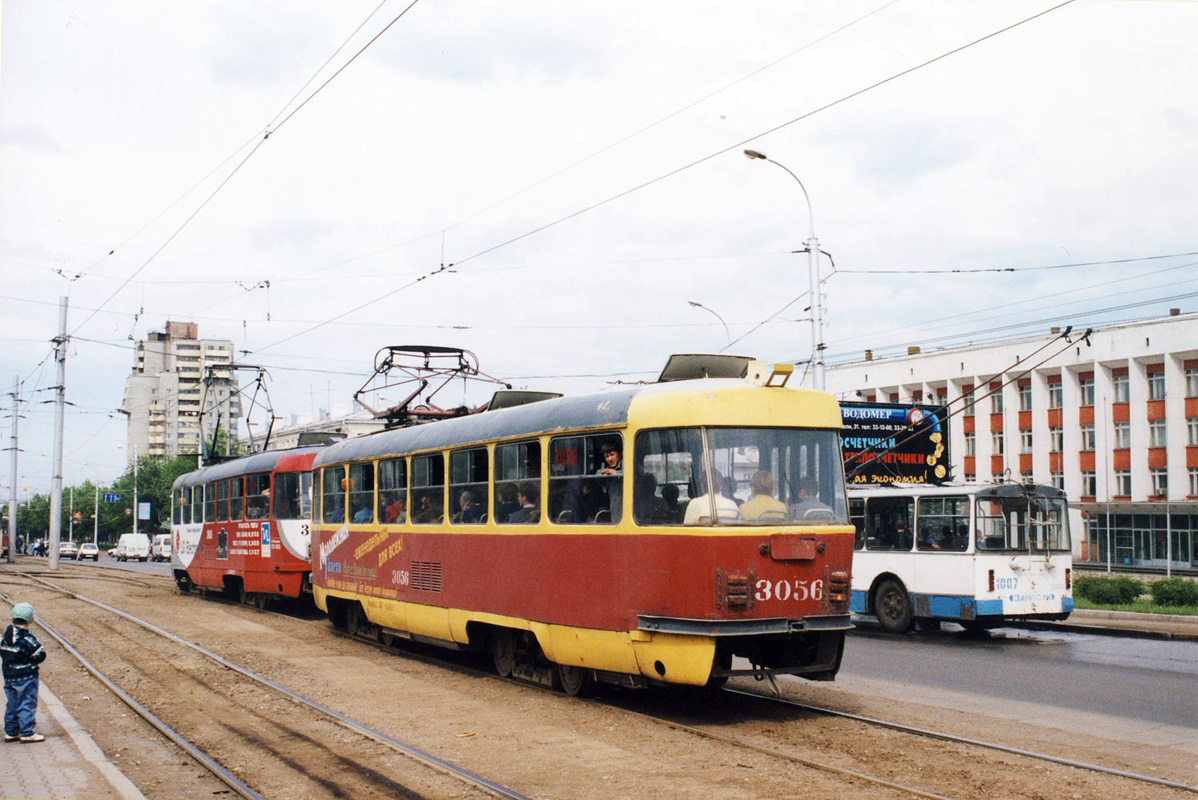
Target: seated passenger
762,484
701,506
529,496
808,505
669,496
649,507
395,509
364,514
469,510
507,503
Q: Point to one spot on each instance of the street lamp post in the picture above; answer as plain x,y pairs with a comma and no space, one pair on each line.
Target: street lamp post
817,302
717,316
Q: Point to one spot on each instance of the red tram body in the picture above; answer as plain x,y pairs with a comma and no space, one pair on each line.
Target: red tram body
595,572
244,526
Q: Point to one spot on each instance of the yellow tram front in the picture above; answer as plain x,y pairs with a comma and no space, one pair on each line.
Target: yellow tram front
649,534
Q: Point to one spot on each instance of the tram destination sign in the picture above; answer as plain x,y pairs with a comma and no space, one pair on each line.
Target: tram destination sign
894,443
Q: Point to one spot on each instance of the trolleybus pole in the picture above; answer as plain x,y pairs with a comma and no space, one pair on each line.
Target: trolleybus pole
817,300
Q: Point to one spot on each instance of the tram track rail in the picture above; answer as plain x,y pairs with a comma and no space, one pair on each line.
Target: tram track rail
406,749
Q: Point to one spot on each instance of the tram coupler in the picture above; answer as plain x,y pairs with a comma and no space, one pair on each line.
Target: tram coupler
766,674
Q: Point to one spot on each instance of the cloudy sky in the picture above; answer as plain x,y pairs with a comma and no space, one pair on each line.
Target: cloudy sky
580,165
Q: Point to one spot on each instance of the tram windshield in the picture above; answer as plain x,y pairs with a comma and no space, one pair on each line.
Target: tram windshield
738,476
293,495
1021,522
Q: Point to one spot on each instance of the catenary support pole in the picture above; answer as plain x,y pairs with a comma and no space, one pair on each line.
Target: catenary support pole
12,498
60,402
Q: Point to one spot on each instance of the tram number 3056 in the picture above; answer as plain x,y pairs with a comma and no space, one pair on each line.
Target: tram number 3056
789,590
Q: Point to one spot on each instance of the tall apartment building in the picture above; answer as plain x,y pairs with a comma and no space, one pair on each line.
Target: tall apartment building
1114,423
163,396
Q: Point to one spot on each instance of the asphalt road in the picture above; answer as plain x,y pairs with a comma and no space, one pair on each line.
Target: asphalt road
1140,689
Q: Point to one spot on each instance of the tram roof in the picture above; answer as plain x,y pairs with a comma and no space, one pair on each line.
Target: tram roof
581,413
257,462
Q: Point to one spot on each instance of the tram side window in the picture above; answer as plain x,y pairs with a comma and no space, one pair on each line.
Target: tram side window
665,466
222,501
428,489
209,503
235,494
361,492
332,494
888,523
180,506
393,491
857,518
586,479
517,467
293,495
468,476
197,504
943,524
257,496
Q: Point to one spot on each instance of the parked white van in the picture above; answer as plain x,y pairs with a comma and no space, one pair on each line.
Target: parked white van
161,549
133,545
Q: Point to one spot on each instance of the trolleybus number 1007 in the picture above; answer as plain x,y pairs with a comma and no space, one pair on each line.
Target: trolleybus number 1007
786,590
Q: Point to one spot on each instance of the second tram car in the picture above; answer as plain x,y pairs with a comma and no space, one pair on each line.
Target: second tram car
244,526
974,554
643,535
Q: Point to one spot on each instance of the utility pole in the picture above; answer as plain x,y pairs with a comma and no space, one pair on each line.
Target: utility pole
71,518
12,502
96,532
135,488
60,405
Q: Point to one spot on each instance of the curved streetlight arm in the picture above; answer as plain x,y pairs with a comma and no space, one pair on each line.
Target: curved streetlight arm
717,316
754,154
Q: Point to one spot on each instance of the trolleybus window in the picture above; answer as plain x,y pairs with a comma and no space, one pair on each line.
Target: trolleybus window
734,476
332,494
515,464
209,503
889,523
468,475
1021,522
293,495
857,518
235,492
586,479
943,524
428,485
393,491
257,496
222,501
361,492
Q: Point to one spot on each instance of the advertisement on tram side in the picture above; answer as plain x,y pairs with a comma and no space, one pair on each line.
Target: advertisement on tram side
894,443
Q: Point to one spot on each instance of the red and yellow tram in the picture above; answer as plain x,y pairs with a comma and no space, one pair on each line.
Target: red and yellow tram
649,534
244,526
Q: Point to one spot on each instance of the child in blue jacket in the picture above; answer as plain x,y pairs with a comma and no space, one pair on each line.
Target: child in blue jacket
21,653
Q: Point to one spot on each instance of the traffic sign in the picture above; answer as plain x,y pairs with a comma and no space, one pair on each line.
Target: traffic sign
111,498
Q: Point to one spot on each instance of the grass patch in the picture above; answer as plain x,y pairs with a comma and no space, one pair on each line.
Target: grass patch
1143,606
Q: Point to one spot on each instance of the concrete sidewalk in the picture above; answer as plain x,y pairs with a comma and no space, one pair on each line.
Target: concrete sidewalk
67,765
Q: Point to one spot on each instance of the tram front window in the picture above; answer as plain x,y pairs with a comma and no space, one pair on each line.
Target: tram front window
1022,522
738,476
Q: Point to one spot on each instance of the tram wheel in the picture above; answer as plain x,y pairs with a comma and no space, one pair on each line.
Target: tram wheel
892,605
722,661
243,596
354,619
575,681
262,601
386,639
503,652
184,583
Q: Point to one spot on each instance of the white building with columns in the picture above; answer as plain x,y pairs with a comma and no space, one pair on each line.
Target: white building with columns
1113,421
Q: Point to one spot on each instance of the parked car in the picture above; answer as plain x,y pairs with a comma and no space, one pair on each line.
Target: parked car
133,546
88,550
161,549
68,550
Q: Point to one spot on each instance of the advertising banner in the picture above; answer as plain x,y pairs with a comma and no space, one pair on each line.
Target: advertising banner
894,443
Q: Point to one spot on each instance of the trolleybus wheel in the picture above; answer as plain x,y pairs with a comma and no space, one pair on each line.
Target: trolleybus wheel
503,652
892,605
575,680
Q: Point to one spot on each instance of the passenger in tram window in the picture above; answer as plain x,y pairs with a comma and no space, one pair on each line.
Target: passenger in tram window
258,505
507,504
364,514
395,509
425,513
699,508
647,505
612,464
470,510
728,489
669,496
762,486
529,497
808,505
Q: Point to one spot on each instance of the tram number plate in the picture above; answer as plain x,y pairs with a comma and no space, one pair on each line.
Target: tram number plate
400,577
796,590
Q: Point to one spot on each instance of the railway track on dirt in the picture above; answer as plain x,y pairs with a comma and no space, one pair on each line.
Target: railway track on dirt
290,745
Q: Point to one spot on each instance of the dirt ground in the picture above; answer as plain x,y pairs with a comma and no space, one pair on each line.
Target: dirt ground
534,741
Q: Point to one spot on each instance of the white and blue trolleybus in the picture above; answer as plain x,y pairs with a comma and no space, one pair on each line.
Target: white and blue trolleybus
977,554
